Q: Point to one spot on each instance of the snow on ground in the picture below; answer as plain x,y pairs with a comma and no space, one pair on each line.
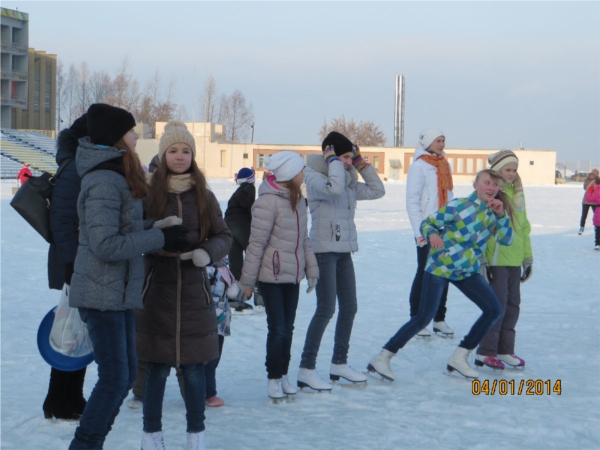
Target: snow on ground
558,335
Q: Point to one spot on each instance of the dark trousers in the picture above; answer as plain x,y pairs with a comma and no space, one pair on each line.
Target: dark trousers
210,371
113,336
336,280
584,213
241,236
281,302
500,340
475,289
597,232
154,393
415,290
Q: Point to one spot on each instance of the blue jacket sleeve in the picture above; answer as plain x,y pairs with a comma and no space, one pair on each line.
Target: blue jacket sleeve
504,236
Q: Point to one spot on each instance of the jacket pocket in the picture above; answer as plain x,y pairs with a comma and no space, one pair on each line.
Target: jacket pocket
276,264
147,284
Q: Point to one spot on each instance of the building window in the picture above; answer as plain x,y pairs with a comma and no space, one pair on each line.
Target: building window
47,93
469,165
451,163
223,158
245,155
376,162
479,164
460,164
260,162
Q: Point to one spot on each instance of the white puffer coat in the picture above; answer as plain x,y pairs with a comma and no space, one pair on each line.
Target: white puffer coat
279,250
332,195
421,191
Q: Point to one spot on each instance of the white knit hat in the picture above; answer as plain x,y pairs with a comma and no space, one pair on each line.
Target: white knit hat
176,133
500,159
284,165
427,136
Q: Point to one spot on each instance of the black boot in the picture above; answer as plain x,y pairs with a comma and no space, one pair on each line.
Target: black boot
76,397
57,402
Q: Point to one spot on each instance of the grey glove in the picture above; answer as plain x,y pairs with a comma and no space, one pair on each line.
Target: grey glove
243,288
312,282
484,270
527,269
200,257
168,222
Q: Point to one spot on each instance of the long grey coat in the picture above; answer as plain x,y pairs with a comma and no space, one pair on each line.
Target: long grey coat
279,250
332,194
109,270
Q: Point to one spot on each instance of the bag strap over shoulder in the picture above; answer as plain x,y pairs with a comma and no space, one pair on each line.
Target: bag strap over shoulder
62,167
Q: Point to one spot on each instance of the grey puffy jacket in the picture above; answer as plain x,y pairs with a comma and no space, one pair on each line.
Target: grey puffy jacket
109,270
332,195
279,250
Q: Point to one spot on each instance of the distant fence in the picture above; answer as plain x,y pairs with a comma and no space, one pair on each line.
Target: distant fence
569,169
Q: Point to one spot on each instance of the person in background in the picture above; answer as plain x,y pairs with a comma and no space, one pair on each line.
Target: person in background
585,203
593,195
23,174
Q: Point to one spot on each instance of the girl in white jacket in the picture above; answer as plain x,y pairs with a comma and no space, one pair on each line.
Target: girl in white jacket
279,255
428,188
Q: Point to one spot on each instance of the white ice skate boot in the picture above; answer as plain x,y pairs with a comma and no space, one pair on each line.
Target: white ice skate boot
135,402
196,441
153,441
380,363
443,328
274,388
458,361
597,247
512,360
424,333
580,231
310,378
347,372
286,386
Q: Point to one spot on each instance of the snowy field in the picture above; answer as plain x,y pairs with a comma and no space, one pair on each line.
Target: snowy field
558,335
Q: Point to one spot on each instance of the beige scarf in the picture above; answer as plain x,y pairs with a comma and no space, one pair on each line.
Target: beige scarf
177,183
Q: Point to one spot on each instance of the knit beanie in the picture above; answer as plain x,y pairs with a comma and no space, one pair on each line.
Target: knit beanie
500,159
79,127
284,165
427,136
245,175
107,124
176,133
341,144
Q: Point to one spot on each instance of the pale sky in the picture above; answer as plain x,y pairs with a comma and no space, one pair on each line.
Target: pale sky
489,74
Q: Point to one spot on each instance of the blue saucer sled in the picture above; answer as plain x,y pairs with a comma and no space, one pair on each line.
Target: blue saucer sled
51,356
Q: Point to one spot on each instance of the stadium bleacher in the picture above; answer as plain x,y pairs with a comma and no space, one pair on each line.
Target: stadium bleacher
19,147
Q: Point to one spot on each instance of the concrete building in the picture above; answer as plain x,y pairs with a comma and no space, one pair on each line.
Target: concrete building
15,42
224,159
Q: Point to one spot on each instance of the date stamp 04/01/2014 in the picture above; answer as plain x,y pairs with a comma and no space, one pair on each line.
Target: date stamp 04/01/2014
512,387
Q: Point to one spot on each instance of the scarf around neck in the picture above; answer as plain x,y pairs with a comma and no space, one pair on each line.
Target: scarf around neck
177,183
444,176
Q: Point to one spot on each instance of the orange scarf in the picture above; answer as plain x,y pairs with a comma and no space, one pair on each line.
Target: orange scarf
444,177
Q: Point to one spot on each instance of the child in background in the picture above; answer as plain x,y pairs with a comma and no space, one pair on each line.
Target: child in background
593,195
279,255
501,267
586,204
458,234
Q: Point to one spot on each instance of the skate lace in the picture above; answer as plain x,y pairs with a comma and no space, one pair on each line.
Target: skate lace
317,377
353,370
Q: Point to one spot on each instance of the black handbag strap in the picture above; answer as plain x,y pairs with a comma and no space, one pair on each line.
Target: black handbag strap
61,168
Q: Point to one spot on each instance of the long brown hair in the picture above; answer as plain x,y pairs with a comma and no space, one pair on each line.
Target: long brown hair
158,193
134,173
295,193
505,199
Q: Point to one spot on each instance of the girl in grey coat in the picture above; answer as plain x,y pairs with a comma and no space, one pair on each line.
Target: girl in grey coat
108,272
333,189
279,255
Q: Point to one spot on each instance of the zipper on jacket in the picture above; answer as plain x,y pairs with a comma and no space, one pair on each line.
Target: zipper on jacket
276,263
297,245
147,284
178,302
126,283
204,281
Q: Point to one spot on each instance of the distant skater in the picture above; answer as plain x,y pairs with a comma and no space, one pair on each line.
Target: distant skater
585,203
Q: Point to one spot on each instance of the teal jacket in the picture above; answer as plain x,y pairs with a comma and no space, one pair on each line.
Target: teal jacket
465,225
513,255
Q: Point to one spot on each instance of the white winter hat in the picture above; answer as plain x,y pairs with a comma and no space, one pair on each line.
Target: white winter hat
284,165
427,136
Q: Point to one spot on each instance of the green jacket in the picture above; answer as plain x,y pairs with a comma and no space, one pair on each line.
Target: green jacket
514,254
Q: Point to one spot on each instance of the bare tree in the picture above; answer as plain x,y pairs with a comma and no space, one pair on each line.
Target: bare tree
61,84
209,99
153,106
363,133
83,89
71,94
236,116
100,87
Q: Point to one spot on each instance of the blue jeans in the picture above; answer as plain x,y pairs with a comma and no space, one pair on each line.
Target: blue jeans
154,393
210,371
475,289
281,302
113,336
336,279
415,290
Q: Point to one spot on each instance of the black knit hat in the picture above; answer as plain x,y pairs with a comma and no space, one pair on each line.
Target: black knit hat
107,124
79,127
341,144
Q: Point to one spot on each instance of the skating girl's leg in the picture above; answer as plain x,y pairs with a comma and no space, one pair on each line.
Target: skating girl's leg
195,390
290,305
326,295
275,301
210,371
506,343
499,283
597,231
415,291
479,292
431,293
346,293
154,393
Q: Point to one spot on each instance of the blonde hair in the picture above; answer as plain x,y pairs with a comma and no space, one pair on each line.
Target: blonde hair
501,195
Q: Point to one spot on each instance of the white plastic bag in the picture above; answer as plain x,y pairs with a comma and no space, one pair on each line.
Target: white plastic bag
69,334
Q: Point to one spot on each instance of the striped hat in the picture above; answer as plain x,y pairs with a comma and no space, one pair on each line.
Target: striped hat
500,159
245,175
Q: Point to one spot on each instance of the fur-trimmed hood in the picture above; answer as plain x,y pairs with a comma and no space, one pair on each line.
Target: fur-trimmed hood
66,145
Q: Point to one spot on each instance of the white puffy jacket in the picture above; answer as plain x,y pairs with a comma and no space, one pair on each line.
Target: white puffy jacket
421,191
332,195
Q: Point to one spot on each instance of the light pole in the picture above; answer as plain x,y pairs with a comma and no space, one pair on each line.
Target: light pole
252,126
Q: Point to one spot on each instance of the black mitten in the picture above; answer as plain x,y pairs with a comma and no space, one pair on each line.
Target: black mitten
69,269
175,238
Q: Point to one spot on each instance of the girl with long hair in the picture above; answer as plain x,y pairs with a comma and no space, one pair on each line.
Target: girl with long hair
178,327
